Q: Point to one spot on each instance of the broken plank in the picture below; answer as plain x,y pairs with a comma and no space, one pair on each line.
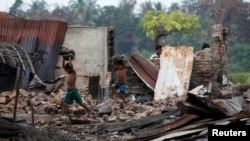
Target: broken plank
141,122
137,123
198,125
148,133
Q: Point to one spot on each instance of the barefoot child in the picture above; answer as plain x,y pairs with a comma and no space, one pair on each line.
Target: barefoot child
121,78
72,92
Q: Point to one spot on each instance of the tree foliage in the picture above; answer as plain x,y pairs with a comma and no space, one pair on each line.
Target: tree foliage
15,9
239,60
166,24
38,9
158,23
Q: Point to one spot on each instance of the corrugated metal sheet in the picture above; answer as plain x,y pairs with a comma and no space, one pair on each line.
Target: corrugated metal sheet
6,15
175,72
42,37
144,69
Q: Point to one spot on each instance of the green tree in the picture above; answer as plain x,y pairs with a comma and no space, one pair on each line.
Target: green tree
38,10
16,10
144,43
62,13
158,23
124,21
239,61
84,12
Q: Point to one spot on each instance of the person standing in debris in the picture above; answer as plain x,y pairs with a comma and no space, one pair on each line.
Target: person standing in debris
204,46
156,55
120,79
72,92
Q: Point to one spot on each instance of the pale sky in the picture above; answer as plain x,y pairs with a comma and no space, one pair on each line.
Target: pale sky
6,4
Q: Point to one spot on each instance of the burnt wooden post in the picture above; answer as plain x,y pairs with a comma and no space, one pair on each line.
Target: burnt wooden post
17,94
219,59
94,85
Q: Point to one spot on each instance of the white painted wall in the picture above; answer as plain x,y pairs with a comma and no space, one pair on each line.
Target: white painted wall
176,65
90,46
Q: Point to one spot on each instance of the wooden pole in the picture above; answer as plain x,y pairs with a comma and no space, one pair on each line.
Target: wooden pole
32,114
17,94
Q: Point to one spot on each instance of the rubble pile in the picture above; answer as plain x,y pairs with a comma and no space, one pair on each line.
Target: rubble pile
133,109
134,120
40,101
139,118
79,124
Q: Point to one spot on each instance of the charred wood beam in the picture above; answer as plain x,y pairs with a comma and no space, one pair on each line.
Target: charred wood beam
202,125
135,123
202,106
188,128
17,94
150,133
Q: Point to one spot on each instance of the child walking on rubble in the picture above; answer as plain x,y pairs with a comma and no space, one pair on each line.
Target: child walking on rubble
120,79
72,92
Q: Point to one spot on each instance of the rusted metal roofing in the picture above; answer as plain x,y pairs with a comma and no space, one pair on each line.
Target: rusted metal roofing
197,113
144,69
40,38
176,65
6,15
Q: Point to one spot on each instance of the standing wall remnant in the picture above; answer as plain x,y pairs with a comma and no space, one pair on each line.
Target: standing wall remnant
93,49
202,69
219,59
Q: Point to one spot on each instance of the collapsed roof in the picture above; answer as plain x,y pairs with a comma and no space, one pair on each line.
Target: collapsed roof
41,39
14,55
13,58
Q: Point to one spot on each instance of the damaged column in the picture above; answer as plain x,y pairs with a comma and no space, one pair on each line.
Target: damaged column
219,60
